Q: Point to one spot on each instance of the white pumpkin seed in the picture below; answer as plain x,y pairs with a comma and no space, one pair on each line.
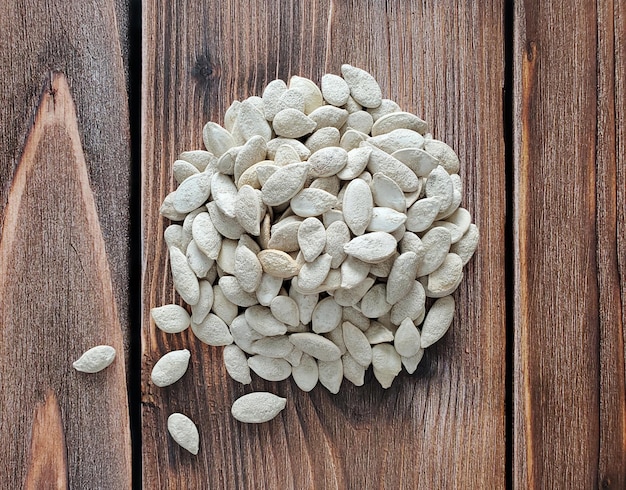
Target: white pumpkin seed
335,90
436,244
466,246
393,168
327,316
306,373
411,306
386,106
271,98
329,116
437,321
418,160
385,219
421,215
182,170
269,368
445,279
258,407
185,280
184,432
358,205
243,334
217,140
401,277
387,364
358,159
192,193
212,331
260,318
377,333
323,138
312,94
316,346
170,368
306,304
331,374
285,310
357,344
222,307
411,363
363,87
268,288
292,123
407,339
312,202
95,359
285,183
397,140
248,269
201,309
171,318
374,303
372,247
276,347
250,122
399,120
312,274
442,152
311,238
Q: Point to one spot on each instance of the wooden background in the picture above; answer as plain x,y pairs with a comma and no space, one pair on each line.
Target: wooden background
527,390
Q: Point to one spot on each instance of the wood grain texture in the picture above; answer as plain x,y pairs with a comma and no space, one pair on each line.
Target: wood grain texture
79,40
570,413
48,452
442,427
58,302
64,189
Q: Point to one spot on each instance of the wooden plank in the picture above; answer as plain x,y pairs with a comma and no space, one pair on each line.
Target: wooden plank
443,427
570,411
64,190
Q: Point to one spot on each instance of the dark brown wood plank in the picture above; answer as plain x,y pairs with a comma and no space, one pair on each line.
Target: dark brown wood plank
570,241
442,427
64,202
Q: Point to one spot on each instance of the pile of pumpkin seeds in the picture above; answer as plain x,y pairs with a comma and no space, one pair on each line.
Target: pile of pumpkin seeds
309,238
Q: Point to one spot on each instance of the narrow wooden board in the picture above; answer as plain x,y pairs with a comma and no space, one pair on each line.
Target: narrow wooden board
442,427
64,202
570,400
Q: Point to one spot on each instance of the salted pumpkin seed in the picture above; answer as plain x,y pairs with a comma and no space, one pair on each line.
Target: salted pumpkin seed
212,330
326,316
399,120
357,344
335,90
387,364
258,407
285,183
217,140
372,247
270,368
292,123
331,374
363,87
358,206
170,368
437,321
171,318
311,238
95,359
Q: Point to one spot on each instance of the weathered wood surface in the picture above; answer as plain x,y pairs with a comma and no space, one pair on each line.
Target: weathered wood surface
442,427
64,187
570,239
